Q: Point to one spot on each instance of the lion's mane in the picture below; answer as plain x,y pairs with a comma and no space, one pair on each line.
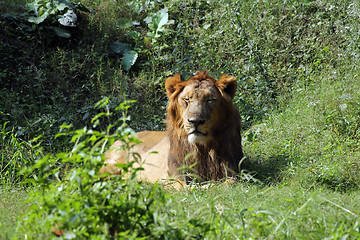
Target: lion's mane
219,158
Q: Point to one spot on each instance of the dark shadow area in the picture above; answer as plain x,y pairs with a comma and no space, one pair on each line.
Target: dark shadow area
273,170
338,184
267,171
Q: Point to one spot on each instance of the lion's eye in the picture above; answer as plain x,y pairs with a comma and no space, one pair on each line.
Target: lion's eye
211,100
187,100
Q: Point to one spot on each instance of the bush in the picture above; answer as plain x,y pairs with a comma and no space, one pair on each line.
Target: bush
81,204
125,49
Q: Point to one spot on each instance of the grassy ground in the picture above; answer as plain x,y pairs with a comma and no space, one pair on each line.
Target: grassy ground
12,207
297,65
247,211
244,211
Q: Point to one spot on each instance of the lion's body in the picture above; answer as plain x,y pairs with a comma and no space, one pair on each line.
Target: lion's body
153,152
203,131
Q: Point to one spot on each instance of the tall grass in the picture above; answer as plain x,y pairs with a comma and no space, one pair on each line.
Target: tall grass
315,134
15,154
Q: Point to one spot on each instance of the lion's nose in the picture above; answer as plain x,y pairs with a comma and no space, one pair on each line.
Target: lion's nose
196,122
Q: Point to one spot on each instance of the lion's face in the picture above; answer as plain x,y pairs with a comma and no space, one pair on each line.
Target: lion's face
197,106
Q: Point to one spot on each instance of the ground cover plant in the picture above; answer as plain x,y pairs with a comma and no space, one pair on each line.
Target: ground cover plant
297,65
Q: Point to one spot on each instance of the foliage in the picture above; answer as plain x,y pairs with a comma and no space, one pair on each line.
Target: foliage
270,47
15,154
61,11
297,65
129,55
156,24
82,204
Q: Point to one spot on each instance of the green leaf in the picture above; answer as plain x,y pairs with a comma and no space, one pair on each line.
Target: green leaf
134,35
38,20
163,19
123,23
158,21
61,32
103,102
206,26
32,6
121,48
129,59
63,4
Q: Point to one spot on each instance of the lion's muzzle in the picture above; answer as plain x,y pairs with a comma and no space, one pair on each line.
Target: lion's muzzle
196,122
196,133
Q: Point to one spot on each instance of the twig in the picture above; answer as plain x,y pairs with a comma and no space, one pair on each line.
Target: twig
337,205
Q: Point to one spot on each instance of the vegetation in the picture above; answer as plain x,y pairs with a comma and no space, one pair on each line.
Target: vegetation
297,65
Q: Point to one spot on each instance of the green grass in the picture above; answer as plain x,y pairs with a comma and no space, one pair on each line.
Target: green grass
297,65
244,211
12,208
316,130
247,211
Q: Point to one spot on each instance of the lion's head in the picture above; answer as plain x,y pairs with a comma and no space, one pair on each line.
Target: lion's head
203,120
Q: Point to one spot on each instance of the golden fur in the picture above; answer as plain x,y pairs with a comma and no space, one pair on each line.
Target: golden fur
203,131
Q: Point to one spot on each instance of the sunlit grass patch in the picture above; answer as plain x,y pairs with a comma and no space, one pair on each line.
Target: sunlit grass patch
12,206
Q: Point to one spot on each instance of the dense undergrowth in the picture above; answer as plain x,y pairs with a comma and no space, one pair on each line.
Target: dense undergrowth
297,65
271,47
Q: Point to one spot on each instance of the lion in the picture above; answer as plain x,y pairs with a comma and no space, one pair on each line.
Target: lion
202,134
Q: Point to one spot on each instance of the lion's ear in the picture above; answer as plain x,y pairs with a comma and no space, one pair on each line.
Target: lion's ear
228,84
170,84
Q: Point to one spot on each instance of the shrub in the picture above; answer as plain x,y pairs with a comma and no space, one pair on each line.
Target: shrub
81,204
